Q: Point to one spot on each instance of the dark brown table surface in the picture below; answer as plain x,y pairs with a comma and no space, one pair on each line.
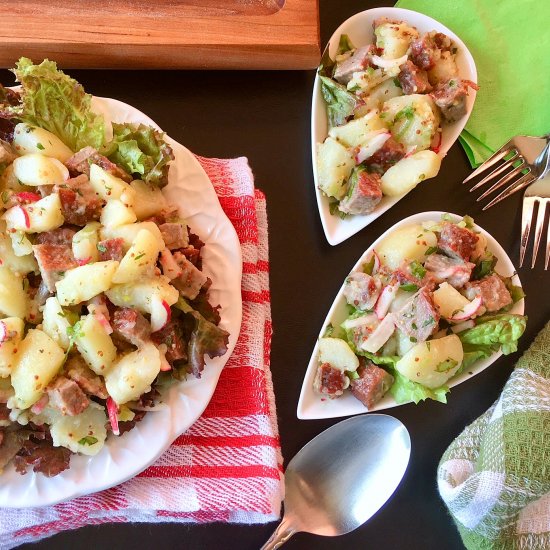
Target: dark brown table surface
266,117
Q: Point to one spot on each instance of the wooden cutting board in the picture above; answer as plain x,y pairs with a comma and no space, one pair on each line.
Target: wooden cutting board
163,34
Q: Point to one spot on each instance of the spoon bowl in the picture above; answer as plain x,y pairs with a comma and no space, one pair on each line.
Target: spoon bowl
342,477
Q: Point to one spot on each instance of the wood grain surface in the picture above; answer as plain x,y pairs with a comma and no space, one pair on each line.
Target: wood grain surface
166,34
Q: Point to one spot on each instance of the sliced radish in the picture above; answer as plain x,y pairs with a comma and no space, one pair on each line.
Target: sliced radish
376,262
388,63
384,300
160,314
363,320
411,151
18,218
112,412
373,143
170,267
436,141
4,332
104,322
83,261
40,405
465,325
469,310
27,196
380,335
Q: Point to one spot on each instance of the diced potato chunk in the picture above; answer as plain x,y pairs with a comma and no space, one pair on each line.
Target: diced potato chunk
84,433
13,327
406,243
115,213
38,361
31,139
133,375
140,258
338,354
85,282
35,169
354,133
432,363
109,187
448,300
14,301
18,264
394,38
444,69
149,200
380,94
20,243
55,322
334,166
94,344
85,242
140,295
38,217
129,233
409,172
413,119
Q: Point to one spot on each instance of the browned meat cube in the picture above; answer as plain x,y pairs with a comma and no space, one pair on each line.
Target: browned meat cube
358,61
454,271
413,80
171,337
418,318
364,193
111,249
372,384
66,395
329,381
174,235
53,260
191,280
131,325
450,97
79,202
80,162
361,290
458,242
391,152
426,50
77,370
63,235
493,291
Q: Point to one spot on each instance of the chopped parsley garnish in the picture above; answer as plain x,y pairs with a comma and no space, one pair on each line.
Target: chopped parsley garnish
446,365
413,339
407,112
397,82
5,196
428,345
409,287
430,250
40,146
428,322
417,269
139,256
101,247
88,440
352,375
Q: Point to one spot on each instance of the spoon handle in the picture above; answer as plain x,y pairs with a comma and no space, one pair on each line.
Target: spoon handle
283,532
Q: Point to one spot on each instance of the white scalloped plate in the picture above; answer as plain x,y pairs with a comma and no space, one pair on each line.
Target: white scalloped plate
359,29
312,406
125,456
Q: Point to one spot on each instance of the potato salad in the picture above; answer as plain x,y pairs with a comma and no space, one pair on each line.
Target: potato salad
386,103
102,294
425,305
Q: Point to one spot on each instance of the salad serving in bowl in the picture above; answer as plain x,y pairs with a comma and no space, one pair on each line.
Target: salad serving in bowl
434,301
119,289
392,94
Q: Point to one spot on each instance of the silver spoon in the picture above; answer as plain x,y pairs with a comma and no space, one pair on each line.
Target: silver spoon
342,477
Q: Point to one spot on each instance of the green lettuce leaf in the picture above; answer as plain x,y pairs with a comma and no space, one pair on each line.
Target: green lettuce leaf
56,102
344,44
340,102
494,331
206,339
140,149
405,390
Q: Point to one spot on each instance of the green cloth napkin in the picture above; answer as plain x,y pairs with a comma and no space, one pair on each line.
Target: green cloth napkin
510,42
495,476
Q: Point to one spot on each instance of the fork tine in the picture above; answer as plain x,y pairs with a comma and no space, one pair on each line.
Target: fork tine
493,159
523,182
503,181
496,172
538,230
526,219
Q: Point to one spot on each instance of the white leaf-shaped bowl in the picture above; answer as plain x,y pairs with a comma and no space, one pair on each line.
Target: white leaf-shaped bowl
312,406
359,29
123,457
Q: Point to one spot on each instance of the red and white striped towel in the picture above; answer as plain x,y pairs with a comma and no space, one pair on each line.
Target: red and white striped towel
228,465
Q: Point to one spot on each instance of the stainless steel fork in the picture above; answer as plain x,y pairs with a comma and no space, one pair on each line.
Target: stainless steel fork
517,163
536,194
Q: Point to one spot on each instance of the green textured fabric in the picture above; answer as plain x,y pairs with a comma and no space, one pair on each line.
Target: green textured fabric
495,476
510,42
